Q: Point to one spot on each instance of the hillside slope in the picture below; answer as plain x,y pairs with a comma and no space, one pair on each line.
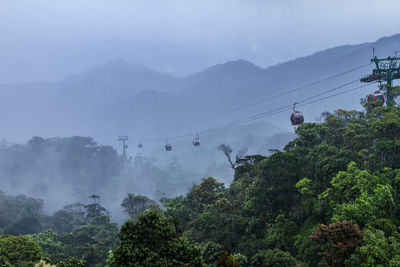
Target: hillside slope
132,99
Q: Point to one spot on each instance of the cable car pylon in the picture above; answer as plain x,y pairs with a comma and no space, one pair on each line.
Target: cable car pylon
386,69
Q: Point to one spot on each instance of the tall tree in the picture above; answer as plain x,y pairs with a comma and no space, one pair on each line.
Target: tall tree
154,241
135,205
19,251
338,241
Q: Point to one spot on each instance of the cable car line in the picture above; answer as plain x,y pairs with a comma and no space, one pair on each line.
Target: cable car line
289,107
272,97
298,102
301,103
304,102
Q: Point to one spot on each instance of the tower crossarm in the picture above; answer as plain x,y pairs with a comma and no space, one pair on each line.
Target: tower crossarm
386,69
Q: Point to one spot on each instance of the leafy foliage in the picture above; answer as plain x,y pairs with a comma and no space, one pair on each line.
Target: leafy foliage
69,217
329,198
228,260
135,205
273,258
338,241
20,214
51,246
345,168
19,251
71,262
91,243
154,241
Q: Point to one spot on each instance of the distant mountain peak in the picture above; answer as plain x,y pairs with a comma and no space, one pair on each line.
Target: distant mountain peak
240,63
237,66
121,65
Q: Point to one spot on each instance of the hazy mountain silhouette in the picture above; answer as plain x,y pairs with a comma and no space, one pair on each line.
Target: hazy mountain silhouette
120,97
225,86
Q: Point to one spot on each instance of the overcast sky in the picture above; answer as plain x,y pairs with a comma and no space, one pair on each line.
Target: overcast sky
50,39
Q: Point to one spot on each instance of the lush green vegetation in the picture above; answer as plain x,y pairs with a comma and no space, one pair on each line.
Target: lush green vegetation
18,251
75,234
155,240
330,198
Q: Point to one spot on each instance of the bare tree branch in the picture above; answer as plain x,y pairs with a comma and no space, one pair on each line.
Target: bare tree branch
227,150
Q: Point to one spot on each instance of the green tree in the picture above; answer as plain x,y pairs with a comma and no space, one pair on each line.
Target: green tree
206,193
20,251
211,253
154,241
21,214
92,242
368,207
69,217
135,205
51,246
273,258
228,260
376,250
110,259
71,262
280,234
94,209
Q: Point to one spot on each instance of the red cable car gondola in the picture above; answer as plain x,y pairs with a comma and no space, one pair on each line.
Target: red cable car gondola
377,98
296,118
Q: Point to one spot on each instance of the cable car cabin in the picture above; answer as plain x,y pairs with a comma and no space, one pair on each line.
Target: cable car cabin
296,118
376,99
196,142
168,147
140,145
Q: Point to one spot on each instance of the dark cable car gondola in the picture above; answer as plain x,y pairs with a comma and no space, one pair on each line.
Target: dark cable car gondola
168,146
196,141
296,118
376,99
140,145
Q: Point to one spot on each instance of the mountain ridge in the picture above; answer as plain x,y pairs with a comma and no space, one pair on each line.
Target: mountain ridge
113,91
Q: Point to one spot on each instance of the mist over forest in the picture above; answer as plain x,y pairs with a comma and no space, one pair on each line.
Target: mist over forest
165,133
120,98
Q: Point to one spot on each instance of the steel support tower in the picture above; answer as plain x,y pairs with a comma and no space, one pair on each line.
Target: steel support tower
123,139
386,69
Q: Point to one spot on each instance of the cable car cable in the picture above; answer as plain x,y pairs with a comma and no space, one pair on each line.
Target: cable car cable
276,111
309,98
262,115
270,98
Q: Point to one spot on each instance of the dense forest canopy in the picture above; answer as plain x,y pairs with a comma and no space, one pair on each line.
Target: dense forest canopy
329,198
199,133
